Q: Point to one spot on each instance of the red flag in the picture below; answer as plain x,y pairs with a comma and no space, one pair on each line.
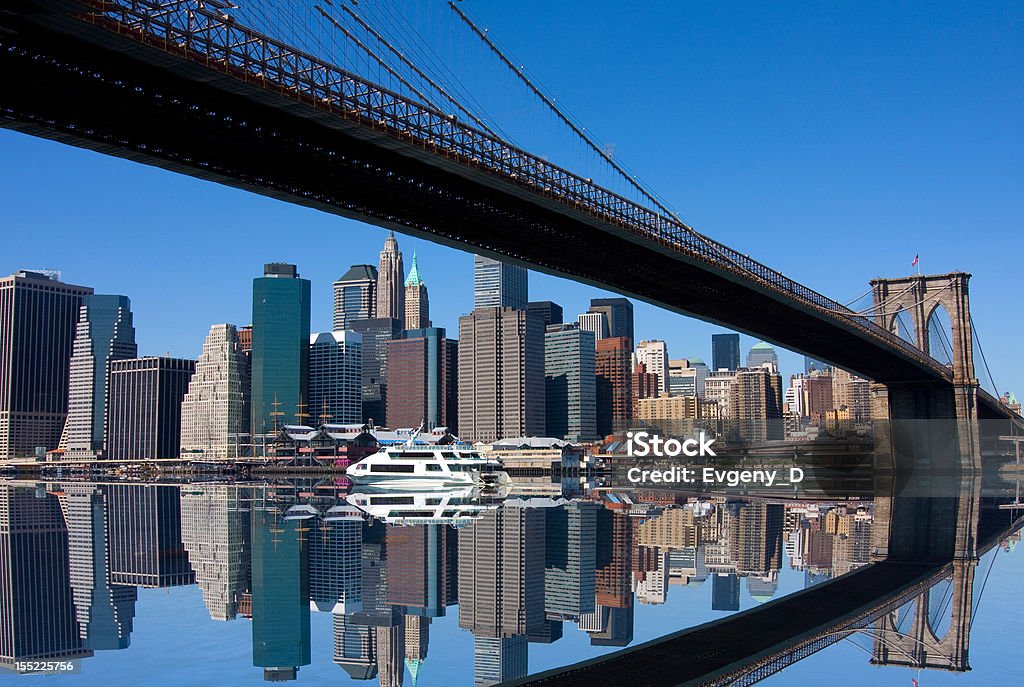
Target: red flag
914,263
912,679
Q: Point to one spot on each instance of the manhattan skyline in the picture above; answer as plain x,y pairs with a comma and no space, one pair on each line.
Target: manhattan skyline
900,140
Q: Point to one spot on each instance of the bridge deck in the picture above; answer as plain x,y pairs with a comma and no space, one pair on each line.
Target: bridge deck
723,650
701,654
203,103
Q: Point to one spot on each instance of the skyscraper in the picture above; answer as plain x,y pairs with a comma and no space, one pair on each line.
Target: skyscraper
216,532
498,284
501,569
145,536
390,273
417,305
614,386
653,355
594,322
280,595
499,659
105,333
618,315
144,407
37,613
725,592
336,377
335,561
756,404
570,559
548,311
725,352
355,296
38,314
280,348
762,353
376,333
214,412
104,611
570,383
501,375
420,393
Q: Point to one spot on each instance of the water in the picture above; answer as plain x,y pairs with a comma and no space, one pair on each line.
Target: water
218,583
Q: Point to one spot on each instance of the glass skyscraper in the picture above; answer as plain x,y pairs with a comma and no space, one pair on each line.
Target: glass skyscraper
618,315
335,377
105,333
570,383
498,284
725,352
280,348
355,296
38,313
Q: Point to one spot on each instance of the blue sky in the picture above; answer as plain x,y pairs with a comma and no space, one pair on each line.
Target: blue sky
831,141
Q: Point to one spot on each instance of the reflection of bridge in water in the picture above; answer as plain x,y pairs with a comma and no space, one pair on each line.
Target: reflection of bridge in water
921,540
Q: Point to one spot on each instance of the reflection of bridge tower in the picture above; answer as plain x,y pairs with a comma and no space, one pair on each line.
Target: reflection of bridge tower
920,646
922,297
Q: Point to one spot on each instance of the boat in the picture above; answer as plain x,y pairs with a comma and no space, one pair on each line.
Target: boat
428,466
456,507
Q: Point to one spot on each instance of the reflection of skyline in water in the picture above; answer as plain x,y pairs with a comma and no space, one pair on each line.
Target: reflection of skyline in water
519,573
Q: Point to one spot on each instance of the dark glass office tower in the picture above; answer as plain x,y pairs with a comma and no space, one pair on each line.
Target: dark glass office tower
145,536
144,407
725,592
37,611
376,333
280,595
548,311
725,352
280,348
38,314
618,314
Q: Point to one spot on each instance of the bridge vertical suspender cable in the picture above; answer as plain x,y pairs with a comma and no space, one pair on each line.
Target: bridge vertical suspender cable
630,179
416,70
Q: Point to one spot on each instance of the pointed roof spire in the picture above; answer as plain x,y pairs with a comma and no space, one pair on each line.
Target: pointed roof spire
414,278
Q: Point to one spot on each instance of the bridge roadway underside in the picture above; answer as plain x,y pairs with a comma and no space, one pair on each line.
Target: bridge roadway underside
64,79
705,654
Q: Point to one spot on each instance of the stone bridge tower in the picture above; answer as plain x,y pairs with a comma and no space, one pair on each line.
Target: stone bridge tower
920,297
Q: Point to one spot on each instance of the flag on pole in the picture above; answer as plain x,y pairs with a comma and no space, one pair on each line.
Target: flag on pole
916,260
915,682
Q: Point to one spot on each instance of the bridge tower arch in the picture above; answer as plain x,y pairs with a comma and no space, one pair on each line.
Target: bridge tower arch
920,296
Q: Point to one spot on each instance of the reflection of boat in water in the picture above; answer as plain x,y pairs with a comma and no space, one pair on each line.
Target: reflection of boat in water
426,466
456,507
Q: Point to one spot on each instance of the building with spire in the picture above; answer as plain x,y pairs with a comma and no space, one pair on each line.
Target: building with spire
417,307
390,294
105,333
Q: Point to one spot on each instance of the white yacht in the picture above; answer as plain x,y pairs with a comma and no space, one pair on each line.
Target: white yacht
427,466
456,507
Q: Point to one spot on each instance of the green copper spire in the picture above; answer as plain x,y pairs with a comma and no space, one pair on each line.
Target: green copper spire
414,274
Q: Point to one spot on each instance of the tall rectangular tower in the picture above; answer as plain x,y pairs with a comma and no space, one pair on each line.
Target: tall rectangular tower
614,386
280,348
38,314
725,352
419,393
105,333
144,407
570,383
501,375
617,313
498,284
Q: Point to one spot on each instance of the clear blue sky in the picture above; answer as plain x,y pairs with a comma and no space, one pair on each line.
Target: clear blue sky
831,141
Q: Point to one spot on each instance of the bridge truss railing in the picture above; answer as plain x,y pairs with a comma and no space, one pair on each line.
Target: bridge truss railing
198,33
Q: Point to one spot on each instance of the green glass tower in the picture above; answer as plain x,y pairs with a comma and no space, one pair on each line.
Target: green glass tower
280,348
